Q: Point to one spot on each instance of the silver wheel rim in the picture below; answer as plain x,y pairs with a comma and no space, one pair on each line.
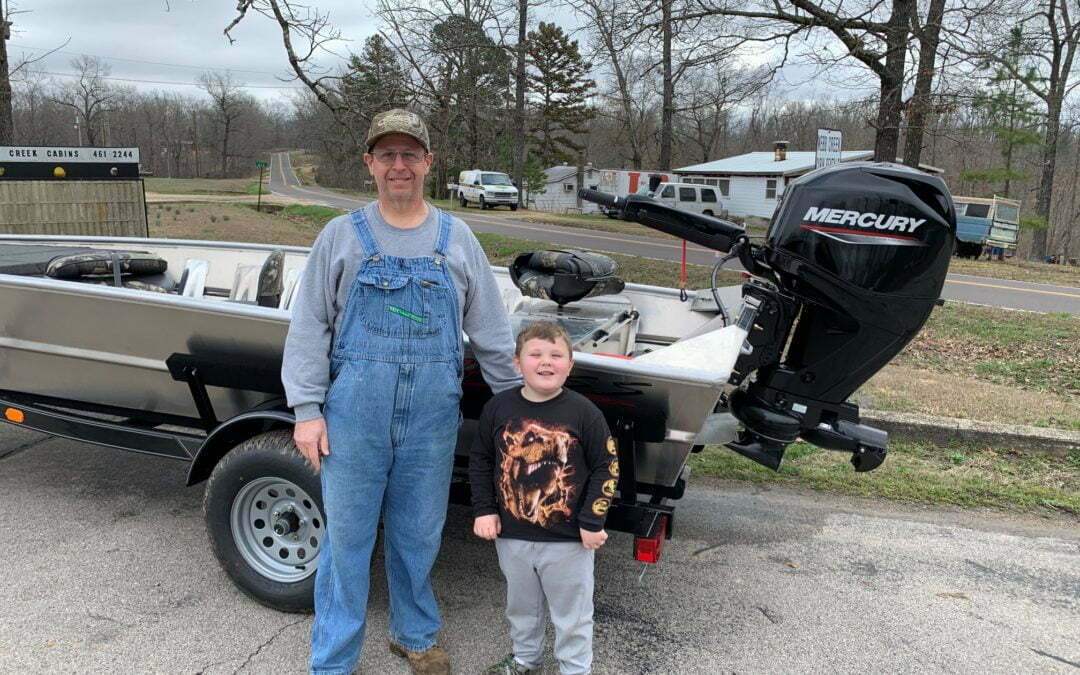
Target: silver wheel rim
278,529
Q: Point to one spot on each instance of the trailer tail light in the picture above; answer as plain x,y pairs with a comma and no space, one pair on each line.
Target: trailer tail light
647,549
14,415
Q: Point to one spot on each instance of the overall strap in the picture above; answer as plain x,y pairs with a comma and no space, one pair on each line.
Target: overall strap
363,233
445,228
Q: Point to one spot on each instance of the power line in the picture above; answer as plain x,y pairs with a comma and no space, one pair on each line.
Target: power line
149,63
185,84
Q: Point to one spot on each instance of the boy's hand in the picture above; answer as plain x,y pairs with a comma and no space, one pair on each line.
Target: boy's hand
487,527
592,540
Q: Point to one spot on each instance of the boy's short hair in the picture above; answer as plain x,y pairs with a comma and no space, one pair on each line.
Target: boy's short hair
543,330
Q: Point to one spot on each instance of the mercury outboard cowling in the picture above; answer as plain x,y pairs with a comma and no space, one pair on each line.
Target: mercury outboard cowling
858,253
852,265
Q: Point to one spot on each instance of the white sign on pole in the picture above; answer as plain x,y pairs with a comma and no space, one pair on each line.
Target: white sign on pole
68,155
828,147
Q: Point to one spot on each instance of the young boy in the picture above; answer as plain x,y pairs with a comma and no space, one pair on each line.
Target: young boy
543,471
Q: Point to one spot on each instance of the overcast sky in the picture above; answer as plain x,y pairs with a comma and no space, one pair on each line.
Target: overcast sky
151,44
143,40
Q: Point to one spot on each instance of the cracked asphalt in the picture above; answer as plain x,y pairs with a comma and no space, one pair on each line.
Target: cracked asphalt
108,569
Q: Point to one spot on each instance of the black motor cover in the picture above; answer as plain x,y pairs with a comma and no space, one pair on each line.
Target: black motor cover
865,247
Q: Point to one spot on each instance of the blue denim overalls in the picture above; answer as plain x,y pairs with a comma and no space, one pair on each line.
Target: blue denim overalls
392,414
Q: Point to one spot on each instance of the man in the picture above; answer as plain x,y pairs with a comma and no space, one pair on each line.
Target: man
372,369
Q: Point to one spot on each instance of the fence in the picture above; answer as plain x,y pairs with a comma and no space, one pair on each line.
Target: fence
108,208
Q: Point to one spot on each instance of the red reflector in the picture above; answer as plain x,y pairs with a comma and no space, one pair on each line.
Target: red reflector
647,549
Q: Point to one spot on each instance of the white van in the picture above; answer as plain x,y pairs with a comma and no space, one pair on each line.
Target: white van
691,197
487,188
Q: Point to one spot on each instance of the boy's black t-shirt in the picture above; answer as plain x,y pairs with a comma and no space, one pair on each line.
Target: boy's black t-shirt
545,468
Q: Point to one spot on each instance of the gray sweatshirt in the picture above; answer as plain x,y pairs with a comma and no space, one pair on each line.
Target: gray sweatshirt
324,289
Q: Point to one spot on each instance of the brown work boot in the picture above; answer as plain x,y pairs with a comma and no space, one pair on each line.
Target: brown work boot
434,661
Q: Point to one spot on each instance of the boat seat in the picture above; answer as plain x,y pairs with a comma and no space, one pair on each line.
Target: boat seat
260,284
565,276
291,288
192,282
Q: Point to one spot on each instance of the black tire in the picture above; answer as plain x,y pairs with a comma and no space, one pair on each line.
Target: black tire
483,204
513,207
267,464
707,212
464,202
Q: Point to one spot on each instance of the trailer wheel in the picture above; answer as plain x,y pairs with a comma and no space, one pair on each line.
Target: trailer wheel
264,517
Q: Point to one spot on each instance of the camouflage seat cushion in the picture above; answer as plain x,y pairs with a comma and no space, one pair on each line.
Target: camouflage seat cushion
100,264
565,276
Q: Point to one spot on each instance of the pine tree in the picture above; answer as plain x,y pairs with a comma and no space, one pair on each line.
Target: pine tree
1013,115
375,81
562,87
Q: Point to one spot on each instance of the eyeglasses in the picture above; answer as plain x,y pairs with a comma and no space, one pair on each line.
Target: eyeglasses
407,156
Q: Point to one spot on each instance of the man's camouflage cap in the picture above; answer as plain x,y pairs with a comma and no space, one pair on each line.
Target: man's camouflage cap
398,121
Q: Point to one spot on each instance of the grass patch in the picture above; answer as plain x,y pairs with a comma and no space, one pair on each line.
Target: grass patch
1021,349
312,212
199,186
1018,270
961,475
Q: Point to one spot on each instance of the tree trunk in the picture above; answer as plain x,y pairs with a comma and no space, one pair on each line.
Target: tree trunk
668,113
225,149
1046,179
887,137
7,129
924,84
519,101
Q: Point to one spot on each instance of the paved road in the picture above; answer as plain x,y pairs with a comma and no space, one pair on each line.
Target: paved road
107,569
964,288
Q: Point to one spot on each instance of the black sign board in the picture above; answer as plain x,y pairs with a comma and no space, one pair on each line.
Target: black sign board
68,163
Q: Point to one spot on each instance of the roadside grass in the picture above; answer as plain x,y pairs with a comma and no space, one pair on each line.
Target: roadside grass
200,186
1028,350
907,389
963,475
1018,270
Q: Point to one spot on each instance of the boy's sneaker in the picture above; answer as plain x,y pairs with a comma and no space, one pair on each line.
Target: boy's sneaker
510,666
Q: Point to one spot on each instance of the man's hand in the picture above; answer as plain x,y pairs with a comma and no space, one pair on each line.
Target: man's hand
311,439
487,527
592,540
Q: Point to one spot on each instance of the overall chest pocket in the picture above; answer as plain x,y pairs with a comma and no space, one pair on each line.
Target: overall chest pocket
396,305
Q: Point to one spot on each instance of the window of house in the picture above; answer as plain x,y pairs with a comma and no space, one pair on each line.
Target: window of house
668,193
568,187
725,186
770,188
687,194
708,195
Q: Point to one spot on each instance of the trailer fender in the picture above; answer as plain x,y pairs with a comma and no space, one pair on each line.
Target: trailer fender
231,433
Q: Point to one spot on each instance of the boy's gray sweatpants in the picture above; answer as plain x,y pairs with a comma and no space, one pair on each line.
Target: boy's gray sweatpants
560,573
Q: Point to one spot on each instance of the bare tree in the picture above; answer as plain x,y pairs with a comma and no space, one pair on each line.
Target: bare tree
89,96
1051,32
229,103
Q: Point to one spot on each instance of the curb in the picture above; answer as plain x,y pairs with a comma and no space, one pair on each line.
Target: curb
942,430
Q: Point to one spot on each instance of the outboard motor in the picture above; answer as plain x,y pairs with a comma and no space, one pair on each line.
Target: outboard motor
852,265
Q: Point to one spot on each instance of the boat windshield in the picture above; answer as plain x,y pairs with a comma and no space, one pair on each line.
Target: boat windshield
495,179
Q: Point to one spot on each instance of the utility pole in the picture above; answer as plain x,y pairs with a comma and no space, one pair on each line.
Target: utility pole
7,127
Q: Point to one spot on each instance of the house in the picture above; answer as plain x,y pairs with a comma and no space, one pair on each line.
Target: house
560,187
750,184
